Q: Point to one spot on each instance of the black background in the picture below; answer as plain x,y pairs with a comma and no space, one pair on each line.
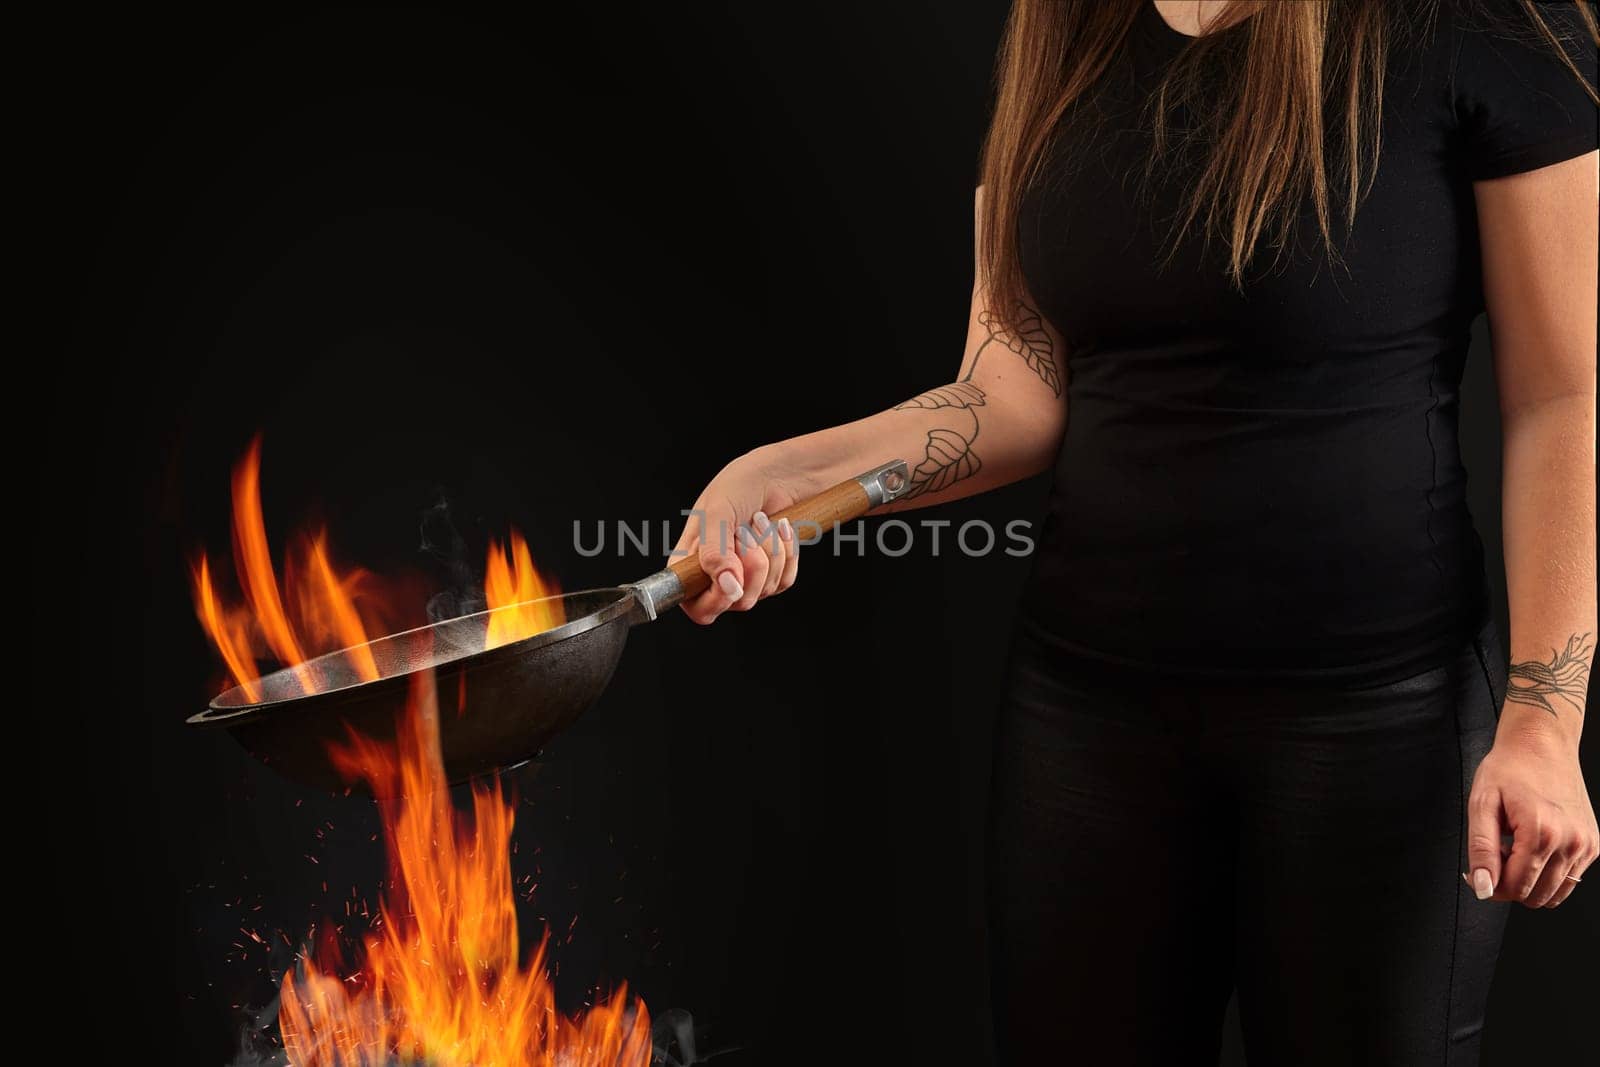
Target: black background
548,271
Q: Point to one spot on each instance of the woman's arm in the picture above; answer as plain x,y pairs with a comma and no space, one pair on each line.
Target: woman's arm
999,421
1538,231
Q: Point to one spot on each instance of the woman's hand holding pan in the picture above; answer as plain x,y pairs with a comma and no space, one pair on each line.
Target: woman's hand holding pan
747,555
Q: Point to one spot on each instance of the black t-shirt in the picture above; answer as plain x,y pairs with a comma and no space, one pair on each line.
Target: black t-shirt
1269,483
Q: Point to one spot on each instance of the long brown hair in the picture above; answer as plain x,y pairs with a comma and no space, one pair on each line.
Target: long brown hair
1270,151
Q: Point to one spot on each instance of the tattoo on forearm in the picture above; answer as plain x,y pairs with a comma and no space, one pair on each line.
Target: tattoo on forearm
1565,676
948,454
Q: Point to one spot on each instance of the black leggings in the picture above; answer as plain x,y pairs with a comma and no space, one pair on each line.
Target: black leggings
1157,843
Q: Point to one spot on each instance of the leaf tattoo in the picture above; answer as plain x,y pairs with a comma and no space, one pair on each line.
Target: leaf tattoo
955,395
949,459
1566,675
948,455
1030,340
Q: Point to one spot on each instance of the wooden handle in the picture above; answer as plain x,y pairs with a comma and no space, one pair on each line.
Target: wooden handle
810,519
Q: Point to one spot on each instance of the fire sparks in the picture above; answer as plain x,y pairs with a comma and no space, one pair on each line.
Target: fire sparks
318,609
439,979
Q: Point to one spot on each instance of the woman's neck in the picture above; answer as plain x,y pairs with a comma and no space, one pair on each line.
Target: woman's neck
1190,17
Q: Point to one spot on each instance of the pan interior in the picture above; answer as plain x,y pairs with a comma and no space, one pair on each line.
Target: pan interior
414,650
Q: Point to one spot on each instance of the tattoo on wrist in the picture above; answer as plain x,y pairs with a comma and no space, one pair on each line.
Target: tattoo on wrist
948,454
1566,676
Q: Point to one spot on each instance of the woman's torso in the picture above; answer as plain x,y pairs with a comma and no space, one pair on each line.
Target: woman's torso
1266,482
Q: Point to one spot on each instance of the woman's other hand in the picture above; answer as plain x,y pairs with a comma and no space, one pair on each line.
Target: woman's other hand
1530,786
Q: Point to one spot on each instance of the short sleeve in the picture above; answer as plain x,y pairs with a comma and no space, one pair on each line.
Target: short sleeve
1519,106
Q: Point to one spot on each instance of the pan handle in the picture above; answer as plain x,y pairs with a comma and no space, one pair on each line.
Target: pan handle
848,500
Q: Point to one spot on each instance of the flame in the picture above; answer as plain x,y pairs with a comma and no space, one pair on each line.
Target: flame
226,629
254,562
438,979
335,610
513,589
318,609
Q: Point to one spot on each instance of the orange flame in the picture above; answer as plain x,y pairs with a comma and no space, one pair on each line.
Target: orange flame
254,562
439,980
318,610
513,589
226,629
335,610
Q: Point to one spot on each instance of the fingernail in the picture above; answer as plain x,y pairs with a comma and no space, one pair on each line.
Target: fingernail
761,522
785,531
1482,886
730,585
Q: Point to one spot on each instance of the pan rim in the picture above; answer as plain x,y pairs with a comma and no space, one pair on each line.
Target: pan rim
218,714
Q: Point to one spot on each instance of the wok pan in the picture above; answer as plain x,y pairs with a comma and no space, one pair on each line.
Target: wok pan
512,698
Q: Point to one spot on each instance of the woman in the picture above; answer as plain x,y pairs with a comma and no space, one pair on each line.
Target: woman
1260,731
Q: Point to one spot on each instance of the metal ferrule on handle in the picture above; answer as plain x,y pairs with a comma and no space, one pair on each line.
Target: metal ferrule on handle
848,500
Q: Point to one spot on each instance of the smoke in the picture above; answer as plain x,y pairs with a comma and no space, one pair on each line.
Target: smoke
258,1046
463,585
674,1039
676,1043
